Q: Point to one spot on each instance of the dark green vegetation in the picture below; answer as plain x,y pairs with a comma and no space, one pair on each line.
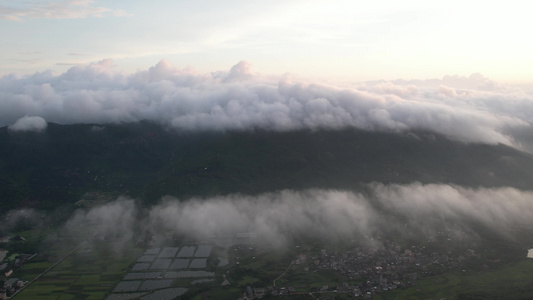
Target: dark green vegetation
89,273
512,281
70,269
143,160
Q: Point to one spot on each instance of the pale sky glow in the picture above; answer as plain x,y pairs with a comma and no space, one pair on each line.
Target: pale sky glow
461,70
344,40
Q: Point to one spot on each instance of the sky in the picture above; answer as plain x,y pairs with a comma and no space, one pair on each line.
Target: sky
459,69
339,40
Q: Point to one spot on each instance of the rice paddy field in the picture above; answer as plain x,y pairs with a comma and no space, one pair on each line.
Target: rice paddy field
94,271
86,274
512,281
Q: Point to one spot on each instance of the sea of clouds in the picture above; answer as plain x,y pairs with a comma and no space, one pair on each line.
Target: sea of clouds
469,109
331,216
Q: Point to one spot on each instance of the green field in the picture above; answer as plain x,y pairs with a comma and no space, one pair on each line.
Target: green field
512,281
89,273
92,272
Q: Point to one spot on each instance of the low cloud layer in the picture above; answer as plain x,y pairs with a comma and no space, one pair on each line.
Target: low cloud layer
29,123
470,109
324,215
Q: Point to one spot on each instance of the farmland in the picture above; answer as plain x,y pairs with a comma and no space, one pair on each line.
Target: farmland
87,274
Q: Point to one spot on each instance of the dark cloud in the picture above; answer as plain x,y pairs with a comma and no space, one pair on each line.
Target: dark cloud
470,109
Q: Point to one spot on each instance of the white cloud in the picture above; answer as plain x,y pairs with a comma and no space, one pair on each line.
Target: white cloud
496,208
29,123
70,9
327,215
470,109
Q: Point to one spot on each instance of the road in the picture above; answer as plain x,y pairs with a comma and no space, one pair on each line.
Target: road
50,268
282,274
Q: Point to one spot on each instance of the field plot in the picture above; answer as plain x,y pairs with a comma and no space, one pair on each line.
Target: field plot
127,286
89,273
31,270
203,251
168,252
146,258
199,263
179,263
187,251
171,275
195,274
149,285
125,296
145,275
202,280
159,272
166,294
161,264
140,267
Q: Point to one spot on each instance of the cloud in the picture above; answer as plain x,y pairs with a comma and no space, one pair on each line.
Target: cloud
68,64
29,123
72,9
115,220
452,206
18,220
469,109
240,71
324,215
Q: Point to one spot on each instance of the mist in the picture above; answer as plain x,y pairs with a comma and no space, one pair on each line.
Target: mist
469,109
332,216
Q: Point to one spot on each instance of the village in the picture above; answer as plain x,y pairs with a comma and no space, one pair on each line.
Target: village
315,270
365,270
10,285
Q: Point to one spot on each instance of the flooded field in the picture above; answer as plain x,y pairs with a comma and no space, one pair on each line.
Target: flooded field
155,273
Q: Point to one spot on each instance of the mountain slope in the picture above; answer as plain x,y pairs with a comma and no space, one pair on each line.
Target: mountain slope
146,161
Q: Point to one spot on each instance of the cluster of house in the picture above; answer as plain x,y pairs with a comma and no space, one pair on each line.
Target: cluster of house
10,287
369,270
7,268
376,270
253,293
8,284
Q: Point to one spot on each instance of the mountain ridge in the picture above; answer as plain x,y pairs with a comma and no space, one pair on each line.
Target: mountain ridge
147,161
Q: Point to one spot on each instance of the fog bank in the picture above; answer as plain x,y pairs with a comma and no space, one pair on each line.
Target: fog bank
470,109
323,215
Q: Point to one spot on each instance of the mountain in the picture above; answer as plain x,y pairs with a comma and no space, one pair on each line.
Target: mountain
66,163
